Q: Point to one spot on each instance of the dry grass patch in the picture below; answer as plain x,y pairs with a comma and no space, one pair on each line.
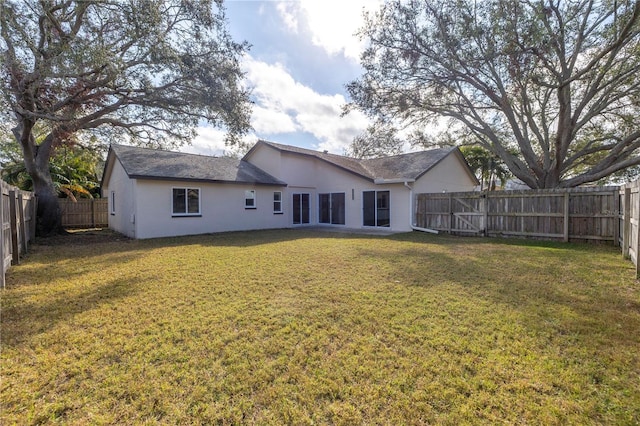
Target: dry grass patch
296,327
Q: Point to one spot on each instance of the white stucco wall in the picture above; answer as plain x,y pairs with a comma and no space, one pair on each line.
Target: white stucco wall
222,208
449,175
123,218
305,174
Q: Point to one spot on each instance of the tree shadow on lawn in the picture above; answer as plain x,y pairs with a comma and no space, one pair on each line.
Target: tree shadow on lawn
554,286
21,319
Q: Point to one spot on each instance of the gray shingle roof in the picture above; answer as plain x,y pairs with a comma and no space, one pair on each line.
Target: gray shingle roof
399,167
159,164
405,166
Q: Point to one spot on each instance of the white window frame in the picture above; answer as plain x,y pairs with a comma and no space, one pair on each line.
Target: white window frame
250,195
275,210
112,202
186,213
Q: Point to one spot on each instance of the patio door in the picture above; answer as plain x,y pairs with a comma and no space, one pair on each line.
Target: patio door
375,208
301,209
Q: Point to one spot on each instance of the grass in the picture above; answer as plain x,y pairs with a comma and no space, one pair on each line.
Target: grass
300,327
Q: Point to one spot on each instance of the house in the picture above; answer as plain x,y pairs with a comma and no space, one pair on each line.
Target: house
155,193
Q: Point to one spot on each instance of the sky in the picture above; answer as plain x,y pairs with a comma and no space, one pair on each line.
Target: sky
303,53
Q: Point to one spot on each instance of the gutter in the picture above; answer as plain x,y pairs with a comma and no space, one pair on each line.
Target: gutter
382,181
415,228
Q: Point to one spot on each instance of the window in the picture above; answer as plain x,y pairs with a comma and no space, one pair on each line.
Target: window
186,201
250,199
112,200
277,202
331,208
375,208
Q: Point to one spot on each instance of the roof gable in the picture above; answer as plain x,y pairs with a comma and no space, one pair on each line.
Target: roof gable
351,165
168,165
410,166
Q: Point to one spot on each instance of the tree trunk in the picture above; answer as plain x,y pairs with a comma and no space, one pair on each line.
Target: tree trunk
49,216
36,161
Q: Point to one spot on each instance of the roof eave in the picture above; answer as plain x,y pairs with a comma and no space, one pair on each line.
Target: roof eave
234,182
381,181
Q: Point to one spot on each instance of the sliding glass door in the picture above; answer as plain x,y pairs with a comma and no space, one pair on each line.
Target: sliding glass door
301,209
376,208
331,208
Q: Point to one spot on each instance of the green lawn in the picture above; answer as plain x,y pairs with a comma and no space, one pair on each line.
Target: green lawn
301,327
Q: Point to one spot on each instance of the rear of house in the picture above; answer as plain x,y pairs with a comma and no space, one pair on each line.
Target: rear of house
334,190
156,193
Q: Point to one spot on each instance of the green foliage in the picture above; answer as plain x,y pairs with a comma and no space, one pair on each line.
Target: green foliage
559,82
301,327
74,169
486,166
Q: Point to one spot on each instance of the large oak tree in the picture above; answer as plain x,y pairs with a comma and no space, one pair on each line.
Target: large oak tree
137,71
550,86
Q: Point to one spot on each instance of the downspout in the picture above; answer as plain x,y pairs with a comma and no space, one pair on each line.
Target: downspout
415,228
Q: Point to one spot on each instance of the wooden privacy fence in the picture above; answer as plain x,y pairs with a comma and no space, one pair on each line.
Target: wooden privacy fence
18,219
85,213
574,214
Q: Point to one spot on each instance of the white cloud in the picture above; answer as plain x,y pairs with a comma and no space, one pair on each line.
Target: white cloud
332,23
289,17
283,105
271,120
210,141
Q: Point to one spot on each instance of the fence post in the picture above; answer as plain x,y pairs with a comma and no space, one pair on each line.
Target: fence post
450,212
15,250
626,227
565,231
637,241
485,214
34,217
2,235
616,217
22,225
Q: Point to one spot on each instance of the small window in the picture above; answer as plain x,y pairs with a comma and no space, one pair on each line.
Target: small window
186,201
250,199
112,201
277,202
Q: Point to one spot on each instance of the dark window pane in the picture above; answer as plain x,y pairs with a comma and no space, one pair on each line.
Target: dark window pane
324,212
297,208
383,217
305,208
369,208
194,201
337,209
179,201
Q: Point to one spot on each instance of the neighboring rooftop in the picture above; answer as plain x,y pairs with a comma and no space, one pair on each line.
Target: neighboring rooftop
404,166
158,164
